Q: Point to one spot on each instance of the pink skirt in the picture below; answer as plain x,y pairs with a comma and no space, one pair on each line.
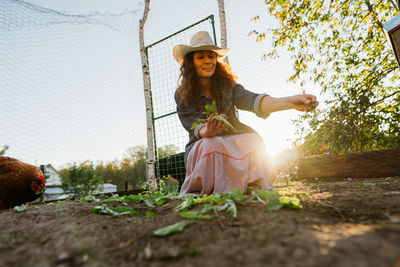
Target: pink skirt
222,163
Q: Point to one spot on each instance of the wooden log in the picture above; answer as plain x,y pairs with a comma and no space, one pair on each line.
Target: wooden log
371,164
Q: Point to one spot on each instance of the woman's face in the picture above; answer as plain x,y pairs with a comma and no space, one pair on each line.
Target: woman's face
204,63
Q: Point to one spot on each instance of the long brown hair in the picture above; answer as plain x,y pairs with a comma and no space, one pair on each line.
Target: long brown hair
189,89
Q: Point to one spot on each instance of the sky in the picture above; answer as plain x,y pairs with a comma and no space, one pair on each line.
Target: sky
88,103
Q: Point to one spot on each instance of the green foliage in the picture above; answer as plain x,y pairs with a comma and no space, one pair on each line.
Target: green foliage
213,110
341,47
80,180
167,151
132,168
3,151
168,184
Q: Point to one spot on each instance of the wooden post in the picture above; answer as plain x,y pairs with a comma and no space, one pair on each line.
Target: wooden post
222,22
126,185
43,170
370,164
146,85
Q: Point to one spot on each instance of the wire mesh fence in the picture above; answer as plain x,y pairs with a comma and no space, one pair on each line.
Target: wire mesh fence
71,83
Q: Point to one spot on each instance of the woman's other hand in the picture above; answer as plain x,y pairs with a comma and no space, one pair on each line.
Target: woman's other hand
304,102
213,127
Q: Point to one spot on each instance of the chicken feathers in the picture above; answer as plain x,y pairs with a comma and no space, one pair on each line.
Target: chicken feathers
19,182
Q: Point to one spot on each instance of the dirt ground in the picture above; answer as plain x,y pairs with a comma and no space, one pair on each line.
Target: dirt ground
342,223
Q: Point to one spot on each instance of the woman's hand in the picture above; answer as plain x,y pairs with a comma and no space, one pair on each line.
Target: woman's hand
304,102
213,127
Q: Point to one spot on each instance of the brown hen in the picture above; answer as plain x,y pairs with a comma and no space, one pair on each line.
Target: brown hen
19,182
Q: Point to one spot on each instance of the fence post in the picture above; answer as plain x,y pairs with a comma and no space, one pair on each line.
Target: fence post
146,85
222,22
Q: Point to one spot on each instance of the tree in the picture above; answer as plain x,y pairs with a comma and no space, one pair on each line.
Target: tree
340,46
80,180
146,89
3,151
167,151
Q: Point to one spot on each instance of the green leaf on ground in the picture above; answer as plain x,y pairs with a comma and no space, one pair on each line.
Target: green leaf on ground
207,199
230,206
366,184
236,195
290,202
269,197
161,200
128,198
89,199
174,228
20,208
195,215
149,202
104,209
150,214
187,203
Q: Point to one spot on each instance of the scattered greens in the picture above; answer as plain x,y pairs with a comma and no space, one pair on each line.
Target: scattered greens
193,206
213,110
174,228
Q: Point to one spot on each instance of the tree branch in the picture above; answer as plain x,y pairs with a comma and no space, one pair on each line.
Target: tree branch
374,15
380,100
394,4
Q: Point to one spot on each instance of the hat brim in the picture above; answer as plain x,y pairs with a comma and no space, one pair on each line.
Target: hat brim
180,51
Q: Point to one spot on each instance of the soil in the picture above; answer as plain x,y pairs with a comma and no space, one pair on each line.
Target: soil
342,223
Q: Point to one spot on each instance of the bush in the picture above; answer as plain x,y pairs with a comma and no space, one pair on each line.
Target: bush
80,180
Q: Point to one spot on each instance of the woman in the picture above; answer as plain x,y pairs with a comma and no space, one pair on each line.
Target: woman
219,158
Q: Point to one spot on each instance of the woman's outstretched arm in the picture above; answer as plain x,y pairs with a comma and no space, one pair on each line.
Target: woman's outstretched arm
304,102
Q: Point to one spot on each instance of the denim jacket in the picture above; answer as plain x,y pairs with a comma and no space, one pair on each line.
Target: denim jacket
232,99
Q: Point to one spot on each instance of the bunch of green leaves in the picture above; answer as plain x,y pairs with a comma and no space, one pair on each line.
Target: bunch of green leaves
213,110
312,105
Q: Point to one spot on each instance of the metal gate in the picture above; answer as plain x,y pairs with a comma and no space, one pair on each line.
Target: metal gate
169,136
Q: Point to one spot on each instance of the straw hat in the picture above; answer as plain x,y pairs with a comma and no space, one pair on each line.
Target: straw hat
200,41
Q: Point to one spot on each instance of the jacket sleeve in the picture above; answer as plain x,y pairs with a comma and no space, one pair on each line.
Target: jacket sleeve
246,100
188,115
